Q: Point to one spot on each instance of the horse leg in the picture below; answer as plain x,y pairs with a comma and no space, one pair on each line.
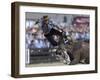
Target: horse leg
66,57
76,58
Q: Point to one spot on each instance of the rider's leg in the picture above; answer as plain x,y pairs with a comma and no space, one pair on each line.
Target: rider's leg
55,32
51,40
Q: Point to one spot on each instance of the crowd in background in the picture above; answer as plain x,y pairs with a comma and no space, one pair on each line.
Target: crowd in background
78,29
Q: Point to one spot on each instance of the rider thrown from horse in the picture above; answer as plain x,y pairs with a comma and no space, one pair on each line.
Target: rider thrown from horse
49,29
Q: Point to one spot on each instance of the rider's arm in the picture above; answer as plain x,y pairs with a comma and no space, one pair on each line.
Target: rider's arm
37,22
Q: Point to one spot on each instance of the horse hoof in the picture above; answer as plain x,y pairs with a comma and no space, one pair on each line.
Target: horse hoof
66,62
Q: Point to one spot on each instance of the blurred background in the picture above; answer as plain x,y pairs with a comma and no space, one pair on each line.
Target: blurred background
75,25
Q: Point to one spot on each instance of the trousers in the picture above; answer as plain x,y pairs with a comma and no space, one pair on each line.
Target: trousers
50,38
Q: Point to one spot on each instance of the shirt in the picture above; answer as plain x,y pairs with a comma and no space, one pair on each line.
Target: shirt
46,28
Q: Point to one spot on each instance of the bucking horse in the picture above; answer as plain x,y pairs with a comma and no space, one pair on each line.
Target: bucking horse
72,52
